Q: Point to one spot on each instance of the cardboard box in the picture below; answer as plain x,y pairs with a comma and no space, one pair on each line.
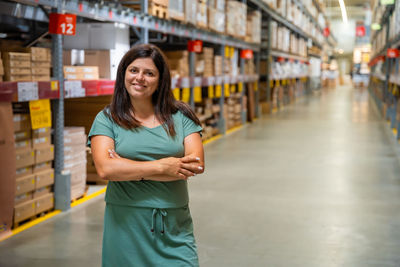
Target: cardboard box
71,150
41,132
24,158
42,191
24,211
22,122
44,203
44,178
25,184
23,198
44,154
41,142
40,54
40,71
1,68
37,78
19,172
15,56
23,135
23,145
41,64
18,78
19,64
216,20
7,166
37,168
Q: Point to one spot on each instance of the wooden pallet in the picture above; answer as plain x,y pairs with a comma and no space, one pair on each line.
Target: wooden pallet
34,217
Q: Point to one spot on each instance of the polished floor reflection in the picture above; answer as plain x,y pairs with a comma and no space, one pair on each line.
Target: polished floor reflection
317,184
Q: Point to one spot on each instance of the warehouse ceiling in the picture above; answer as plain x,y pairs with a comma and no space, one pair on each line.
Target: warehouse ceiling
355,9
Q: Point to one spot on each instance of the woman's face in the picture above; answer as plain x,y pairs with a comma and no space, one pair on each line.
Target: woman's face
141,78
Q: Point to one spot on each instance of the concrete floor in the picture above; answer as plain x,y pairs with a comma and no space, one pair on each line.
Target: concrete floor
317,184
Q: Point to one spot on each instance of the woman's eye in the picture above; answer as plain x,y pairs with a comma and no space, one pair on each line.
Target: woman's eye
150,74
133,70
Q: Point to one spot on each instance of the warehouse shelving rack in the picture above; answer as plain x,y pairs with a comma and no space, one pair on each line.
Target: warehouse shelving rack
37,10
383,86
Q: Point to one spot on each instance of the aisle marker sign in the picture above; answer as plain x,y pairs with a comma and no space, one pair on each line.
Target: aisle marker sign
64,24
392,53
40,113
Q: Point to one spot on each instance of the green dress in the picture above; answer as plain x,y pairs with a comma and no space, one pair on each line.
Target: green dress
147,223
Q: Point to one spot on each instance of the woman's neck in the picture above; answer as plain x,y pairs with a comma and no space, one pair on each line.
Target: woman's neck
142,109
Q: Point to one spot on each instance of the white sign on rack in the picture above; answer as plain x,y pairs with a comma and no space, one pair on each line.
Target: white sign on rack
185,82
28,91
198,81
73,89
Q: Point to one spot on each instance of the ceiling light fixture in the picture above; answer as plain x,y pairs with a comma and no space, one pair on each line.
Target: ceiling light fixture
343,9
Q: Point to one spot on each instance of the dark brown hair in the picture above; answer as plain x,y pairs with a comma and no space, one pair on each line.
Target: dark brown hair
165,105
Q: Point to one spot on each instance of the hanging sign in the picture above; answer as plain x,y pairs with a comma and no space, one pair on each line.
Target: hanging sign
195,46
392,53
360,31
64,24
327,31
246,54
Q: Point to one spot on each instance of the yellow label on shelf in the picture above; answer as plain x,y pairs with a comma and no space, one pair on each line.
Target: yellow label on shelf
233,88
186,95
278,82
231,52
211,91
227,51
218,90
240,87
177,93
197,94
226,90
40,113
271,83
54,85
255,86
284,82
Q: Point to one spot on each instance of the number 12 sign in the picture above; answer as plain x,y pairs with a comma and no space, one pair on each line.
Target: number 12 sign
62,24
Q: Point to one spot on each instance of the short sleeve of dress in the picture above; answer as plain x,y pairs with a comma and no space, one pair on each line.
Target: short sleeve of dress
102,125
190,127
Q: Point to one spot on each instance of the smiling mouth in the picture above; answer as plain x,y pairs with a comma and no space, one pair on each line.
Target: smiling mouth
139,85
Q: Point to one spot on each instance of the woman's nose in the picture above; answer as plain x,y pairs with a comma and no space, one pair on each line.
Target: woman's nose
140,76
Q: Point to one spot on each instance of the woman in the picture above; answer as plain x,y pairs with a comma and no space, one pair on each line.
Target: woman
147,145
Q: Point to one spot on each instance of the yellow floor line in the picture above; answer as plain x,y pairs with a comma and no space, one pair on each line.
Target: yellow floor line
84,199
51,214
234,129
212,139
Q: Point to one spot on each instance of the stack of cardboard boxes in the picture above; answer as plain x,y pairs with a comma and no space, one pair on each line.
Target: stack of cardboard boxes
253,32
202,14
232,111
35,177
218,65
216,15
236,19
178,62
205,62
1,69
17,66
75,159
40,63
157,8
81,72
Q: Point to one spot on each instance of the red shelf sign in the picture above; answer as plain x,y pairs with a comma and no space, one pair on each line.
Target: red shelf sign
64,24
327,32
392,53
246,53
360,31
195,46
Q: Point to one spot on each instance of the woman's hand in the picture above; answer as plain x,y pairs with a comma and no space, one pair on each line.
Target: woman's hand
181,168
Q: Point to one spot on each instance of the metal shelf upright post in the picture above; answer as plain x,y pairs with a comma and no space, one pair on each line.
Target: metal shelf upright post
62,181
268,56
257,85
192,74
244,113
221,122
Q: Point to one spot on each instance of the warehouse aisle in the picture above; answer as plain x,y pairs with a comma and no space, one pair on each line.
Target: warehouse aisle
316,184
